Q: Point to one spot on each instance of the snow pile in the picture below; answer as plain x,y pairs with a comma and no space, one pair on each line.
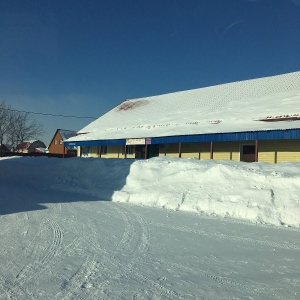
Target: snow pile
257,192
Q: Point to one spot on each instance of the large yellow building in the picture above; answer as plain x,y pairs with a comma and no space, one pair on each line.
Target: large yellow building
252,120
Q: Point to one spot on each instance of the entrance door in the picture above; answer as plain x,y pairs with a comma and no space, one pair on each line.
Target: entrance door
153,150
247,153
140,151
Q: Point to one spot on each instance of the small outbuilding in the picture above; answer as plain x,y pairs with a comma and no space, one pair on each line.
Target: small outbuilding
57,146
252,120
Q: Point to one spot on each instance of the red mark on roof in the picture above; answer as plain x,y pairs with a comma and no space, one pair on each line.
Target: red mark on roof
127,105
280,118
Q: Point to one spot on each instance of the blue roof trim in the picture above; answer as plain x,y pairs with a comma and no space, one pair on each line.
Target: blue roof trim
230,137
215,137
96,143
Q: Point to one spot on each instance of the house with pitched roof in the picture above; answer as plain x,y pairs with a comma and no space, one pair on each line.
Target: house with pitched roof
30,146
57,146
251,120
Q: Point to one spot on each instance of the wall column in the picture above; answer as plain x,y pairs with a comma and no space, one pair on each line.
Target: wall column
211,150
256,151
179,149
146,151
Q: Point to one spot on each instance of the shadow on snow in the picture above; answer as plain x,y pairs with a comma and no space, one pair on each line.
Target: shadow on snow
28,184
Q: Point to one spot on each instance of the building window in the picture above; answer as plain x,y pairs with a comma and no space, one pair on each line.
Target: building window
129,149
55,142
60,142
85,151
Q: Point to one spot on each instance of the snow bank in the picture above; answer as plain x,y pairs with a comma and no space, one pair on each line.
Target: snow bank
257,192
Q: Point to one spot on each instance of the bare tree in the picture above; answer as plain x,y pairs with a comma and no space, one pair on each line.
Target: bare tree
17,127
5,115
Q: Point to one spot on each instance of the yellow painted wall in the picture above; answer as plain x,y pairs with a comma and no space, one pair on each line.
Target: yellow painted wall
235,152
266,151
116,152
190,150
279,151
113,152
204,151
162,150
226,151
130,155
195,150
171,150
288,151
94,151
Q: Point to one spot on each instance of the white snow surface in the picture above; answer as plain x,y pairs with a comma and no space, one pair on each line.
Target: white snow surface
255,192
164,228
231,107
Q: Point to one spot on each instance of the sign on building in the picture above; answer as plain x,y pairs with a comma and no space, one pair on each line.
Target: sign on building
135,141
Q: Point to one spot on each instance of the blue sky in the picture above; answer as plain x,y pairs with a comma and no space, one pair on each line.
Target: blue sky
84,57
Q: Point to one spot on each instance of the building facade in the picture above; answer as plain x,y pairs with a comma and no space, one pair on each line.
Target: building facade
255,120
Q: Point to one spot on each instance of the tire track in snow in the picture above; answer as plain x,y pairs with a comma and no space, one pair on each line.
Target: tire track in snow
15,288
215,278
221,236
71,287
90,280
142,250
56,241
47,255
83,278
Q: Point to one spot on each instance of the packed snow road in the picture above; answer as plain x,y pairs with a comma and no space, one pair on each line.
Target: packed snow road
107,250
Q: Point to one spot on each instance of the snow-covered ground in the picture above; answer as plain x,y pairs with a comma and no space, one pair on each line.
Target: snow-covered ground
71,229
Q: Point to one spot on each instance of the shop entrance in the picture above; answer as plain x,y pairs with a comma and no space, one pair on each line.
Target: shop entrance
152,151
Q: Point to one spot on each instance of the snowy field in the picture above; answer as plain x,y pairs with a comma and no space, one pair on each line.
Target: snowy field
149,229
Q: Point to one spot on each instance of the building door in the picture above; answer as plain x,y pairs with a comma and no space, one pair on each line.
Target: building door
140,151
153,150
247,153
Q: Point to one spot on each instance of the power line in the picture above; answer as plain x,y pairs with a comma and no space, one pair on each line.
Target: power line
48,114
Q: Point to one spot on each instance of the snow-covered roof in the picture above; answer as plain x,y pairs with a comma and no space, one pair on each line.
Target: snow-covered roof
258,104
65,134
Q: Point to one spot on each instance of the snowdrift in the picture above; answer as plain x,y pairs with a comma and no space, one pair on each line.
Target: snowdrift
257,192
